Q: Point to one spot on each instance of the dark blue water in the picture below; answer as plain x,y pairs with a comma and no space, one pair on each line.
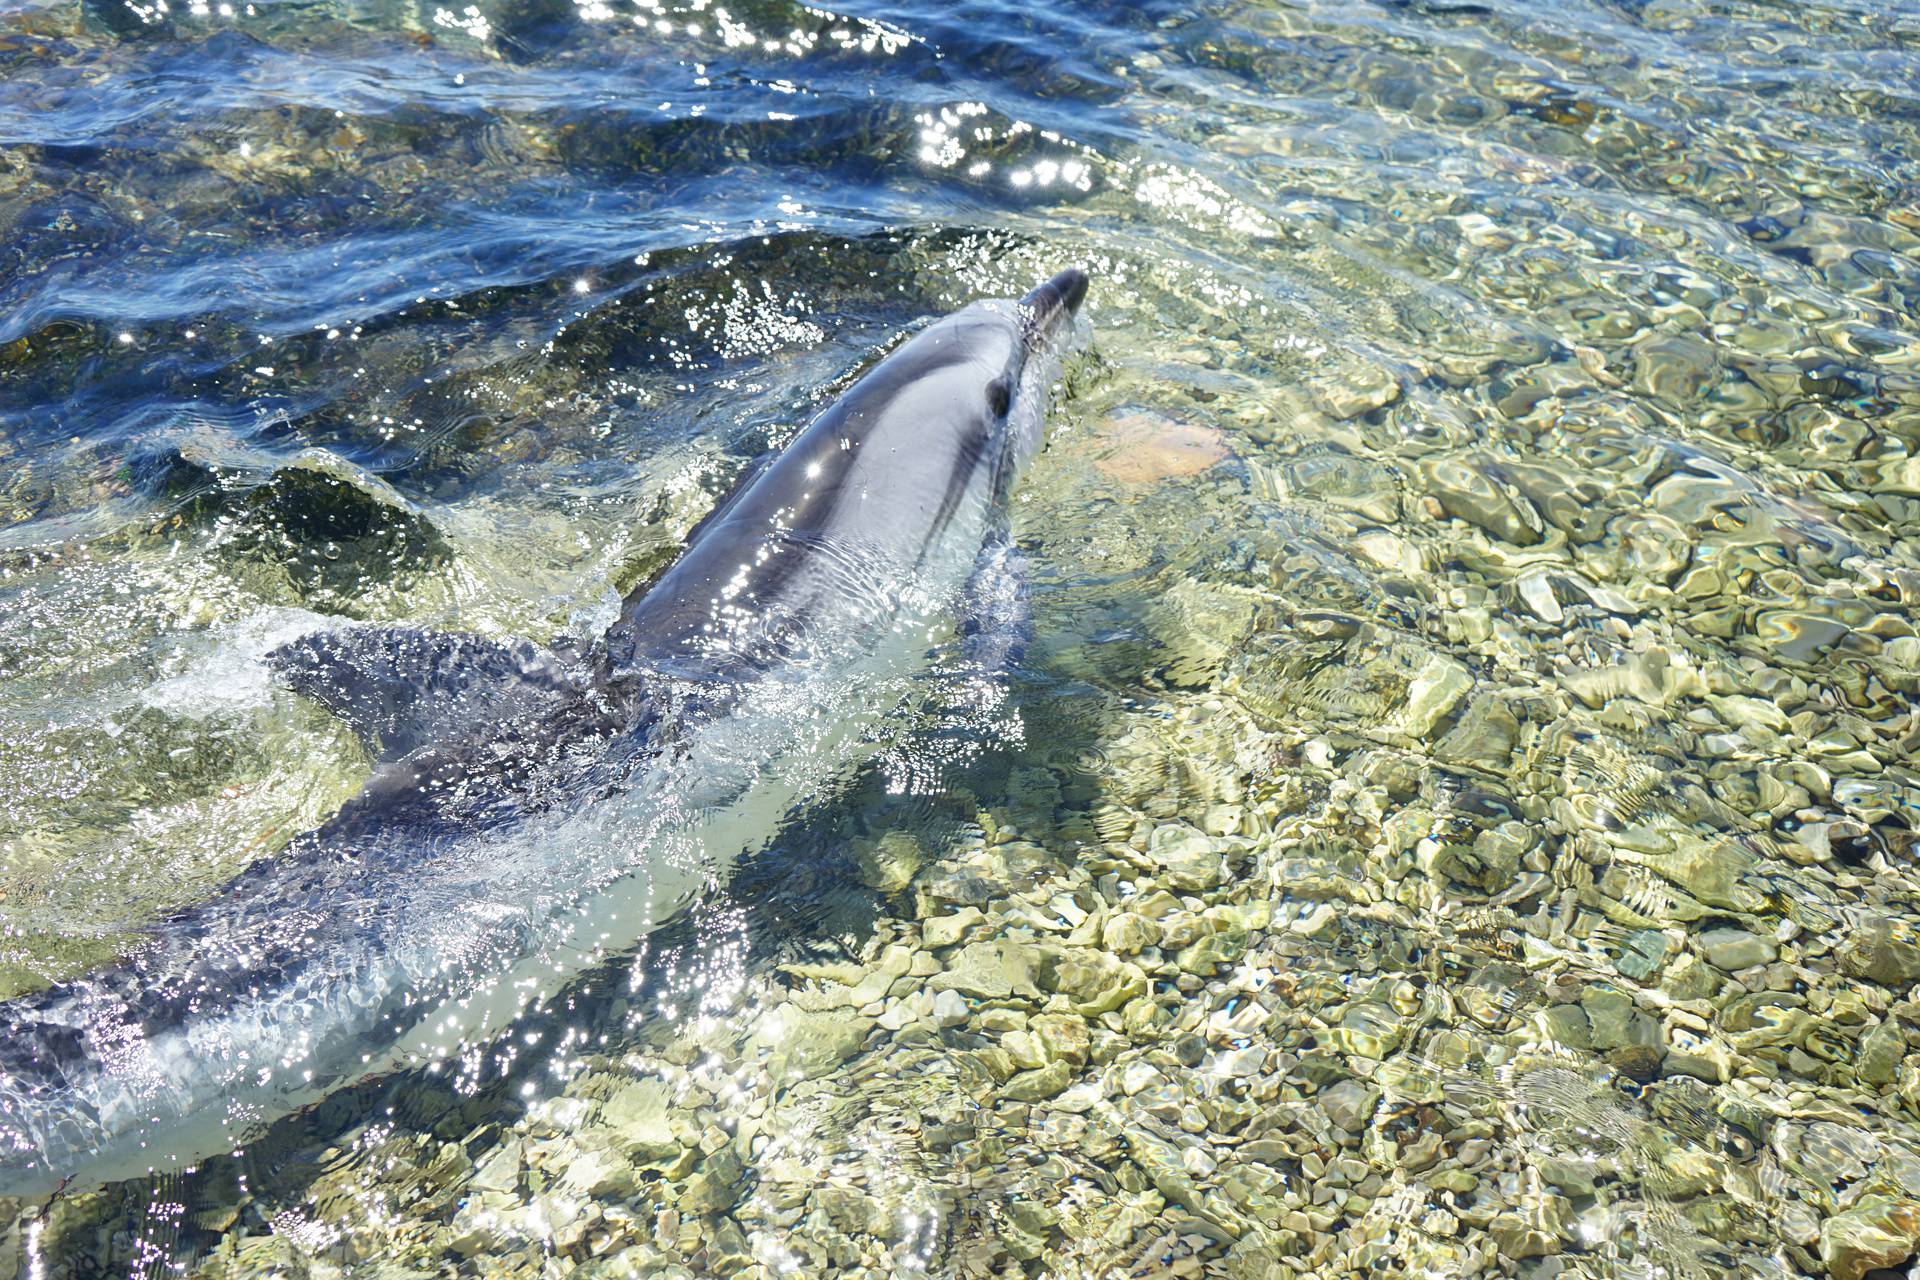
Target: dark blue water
304,189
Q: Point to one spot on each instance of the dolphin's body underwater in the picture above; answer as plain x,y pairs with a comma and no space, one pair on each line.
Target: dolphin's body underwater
530,813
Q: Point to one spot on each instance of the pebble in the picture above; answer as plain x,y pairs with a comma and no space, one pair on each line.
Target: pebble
1735,949
991,970
1882,950
944,931
949,1009
1144,448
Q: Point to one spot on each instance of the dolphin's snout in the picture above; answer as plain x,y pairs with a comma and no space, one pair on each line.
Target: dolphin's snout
1050,308
1062,293
1071,286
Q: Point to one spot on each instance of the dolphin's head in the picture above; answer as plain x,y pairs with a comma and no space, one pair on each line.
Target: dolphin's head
965,400
1001,357
901,476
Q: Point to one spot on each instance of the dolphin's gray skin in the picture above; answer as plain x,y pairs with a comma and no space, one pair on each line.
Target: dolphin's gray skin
529,814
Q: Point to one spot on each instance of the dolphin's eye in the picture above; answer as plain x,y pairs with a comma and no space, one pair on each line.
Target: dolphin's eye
998,397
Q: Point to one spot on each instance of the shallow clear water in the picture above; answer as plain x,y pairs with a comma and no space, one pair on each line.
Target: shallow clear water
1455,814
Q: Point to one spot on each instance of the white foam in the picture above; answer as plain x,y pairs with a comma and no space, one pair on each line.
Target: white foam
225,669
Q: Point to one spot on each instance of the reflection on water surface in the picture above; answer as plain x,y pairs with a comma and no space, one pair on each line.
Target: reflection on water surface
1454,814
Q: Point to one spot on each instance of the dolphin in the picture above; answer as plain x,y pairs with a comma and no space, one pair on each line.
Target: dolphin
531,811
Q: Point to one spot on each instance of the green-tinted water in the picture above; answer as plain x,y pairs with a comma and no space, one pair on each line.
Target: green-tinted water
1455,815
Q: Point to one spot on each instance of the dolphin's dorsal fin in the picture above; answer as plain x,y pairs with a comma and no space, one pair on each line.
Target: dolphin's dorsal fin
400,688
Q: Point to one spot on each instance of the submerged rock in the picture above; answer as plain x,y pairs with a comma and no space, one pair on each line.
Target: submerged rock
993,970
1097,983
1882,950
1467,490
1187,858
810,1043
340,535
638,1115
1433,694
1143,446
1879,1233
1734,949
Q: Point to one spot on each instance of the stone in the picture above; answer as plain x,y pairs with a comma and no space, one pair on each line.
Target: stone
1466,491
888,864
1436,689
854,1211
1098,983
1675,368
1063,1036
1368,389
1741,712
1735,949
1881,1051
598,1174
1029,1224
1188,859
1080,1098
1613,1021
1573,1176
949,1009
1567,1024
1517,1238
500,1169
1881,950
944,931
1143,1019
716,1187
1039,1084
993,970
1799,637
1240,1064
482,1224
1490,864
1140,447
1536,592
1024,1049
1367,1031
1688,978
810,1043
1348,1103
1189,1050
1483,735
1213,951
1001,1019
1707,1060
1879,1232
1129,934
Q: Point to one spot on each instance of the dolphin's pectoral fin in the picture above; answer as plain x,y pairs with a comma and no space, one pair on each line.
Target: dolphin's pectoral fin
401,688
969,708
996,617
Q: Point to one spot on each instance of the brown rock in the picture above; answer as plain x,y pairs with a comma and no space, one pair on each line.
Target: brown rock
1141,447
